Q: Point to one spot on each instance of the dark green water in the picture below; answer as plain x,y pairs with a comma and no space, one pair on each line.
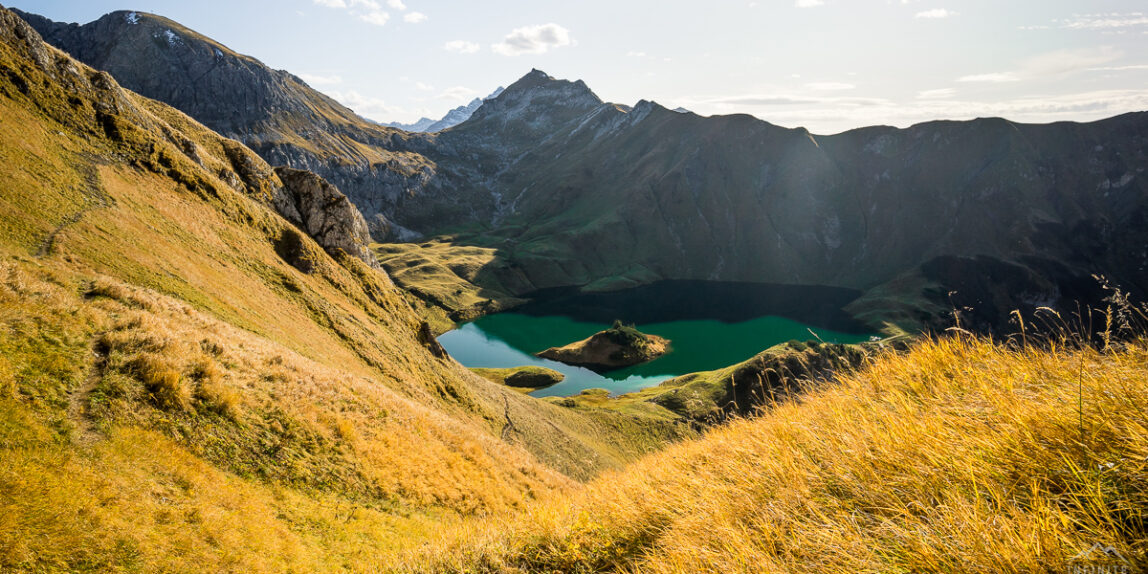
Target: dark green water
710,327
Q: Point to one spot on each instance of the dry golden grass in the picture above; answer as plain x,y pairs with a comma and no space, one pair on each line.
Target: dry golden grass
150,198
459,279
959,456
174,396
139,433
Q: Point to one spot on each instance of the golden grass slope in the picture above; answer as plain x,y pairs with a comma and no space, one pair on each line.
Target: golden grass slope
138,433
961,455
175,395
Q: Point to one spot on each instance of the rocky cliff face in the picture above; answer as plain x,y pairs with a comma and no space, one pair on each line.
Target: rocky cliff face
324,213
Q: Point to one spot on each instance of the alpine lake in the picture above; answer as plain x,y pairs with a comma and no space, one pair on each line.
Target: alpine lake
711,325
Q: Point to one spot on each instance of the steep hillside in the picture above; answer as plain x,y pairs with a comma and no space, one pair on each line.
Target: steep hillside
189,381
271,111
960,456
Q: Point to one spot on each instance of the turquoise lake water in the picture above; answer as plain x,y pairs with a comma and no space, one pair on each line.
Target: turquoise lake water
698,344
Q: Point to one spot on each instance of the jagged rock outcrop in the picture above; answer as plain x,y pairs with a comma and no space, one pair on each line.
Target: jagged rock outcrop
322,211
778,372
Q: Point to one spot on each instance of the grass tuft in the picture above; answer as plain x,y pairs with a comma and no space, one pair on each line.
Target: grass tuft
164,383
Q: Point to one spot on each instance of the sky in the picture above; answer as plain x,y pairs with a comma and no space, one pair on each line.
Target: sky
827,65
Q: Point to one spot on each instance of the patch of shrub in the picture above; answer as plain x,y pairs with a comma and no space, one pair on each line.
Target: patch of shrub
626,335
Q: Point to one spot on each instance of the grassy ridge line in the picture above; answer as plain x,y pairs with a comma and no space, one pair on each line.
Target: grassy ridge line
961,455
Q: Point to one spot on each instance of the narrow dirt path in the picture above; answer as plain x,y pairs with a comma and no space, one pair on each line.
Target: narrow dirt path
97,198
79,400
509,427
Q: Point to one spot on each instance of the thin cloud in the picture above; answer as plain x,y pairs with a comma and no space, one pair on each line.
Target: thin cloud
457,93
376,18
397,5
1119,68
938,94
993,78
368,11
415,18
533,40
935,14
770,100
366,106
1061,62
461,47
829,86
317,80
809,3
1106,21
1057,63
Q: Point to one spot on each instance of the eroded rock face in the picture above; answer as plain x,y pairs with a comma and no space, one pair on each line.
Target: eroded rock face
322,211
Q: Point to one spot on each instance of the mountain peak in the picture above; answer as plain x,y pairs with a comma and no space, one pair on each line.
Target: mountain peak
537,79
451,119
537,95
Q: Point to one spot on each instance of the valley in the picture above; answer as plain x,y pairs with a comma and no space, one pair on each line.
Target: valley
245,329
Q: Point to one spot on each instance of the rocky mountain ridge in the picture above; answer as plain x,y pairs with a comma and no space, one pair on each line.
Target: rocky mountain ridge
1008,215
449,120
271,111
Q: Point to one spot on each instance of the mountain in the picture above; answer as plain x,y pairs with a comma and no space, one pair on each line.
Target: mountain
451,119
420,126
555,187
570,190
200,370
195,353
271,111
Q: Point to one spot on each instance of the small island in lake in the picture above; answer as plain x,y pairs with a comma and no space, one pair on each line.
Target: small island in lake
616,347
524,379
